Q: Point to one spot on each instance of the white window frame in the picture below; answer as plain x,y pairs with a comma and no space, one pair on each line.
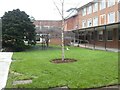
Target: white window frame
89,9
95,7
111,3
89,22
83,22
100,19
84,11
94,21
102,4
111,37
109,18
100,32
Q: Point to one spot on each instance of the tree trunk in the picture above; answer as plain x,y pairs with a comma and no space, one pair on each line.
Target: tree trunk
63,24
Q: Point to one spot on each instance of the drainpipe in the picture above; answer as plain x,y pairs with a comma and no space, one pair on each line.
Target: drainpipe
94,38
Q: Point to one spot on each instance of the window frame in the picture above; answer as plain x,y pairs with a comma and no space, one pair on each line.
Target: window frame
83,26
94,7
118,34
97,21
89,9
111,33
118,16
90,19
91,35
84,11
102,4
109,17
109,3
100,34
105,19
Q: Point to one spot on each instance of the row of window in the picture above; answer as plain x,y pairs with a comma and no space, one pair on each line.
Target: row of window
100,35
94,21
102,4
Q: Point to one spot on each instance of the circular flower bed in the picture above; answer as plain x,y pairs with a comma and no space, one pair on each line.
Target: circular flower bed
66,60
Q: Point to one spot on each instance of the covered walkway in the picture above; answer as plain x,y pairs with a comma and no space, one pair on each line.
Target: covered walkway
104,37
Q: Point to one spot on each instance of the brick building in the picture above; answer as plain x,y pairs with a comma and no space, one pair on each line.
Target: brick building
97,23
51,27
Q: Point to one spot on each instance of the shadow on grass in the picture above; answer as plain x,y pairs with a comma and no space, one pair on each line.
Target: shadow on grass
39,47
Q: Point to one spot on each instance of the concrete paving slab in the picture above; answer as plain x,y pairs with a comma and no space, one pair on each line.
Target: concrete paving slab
5,61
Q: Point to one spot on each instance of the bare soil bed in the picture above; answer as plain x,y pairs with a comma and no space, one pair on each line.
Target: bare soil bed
66,60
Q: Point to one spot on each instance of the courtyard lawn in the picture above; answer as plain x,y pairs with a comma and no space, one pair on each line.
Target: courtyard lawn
94,68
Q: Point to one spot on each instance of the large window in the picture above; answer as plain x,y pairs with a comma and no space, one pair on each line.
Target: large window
95,7
89,23
111,17
118,16
91,35
95,21
102,4
109,35
100,35
84,11
83,23
103,19
111,3
89,10
118,34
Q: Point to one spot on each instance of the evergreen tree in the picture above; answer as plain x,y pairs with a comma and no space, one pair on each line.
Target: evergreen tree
16,29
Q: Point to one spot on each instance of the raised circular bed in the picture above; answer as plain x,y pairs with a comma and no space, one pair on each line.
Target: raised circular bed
66,60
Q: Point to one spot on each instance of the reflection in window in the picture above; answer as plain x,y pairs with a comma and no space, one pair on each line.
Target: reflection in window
84,11
95,7
102,4
110,35
89,23
111,3
92,35
111,17
119,34
89,10
95,21
100,35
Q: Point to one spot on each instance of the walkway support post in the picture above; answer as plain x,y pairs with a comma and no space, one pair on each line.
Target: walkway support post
105,34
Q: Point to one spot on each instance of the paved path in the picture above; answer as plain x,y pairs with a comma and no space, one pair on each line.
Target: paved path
5,61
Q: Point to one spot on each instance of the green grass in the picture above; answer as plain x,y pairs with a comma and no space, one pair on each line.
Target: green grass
94,68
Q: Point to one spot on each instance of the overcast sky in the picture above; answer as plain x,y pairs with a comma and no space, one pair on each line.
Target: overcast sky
39,9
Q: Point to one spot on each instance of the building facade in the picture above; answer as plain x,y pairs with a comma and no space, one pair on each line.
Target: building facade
49,27
97,23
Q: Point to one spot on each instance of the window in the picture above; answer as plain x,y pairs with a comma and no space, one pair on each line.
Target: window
110,35
103,19
102,4
111,17
89,23
100,35
89,10
111,3
83,23
118,34
84,11
95,7
118,16
91,35
95,21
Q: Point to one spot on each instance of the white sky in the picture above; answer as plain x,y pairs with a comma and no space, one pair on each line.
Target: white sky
39,9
